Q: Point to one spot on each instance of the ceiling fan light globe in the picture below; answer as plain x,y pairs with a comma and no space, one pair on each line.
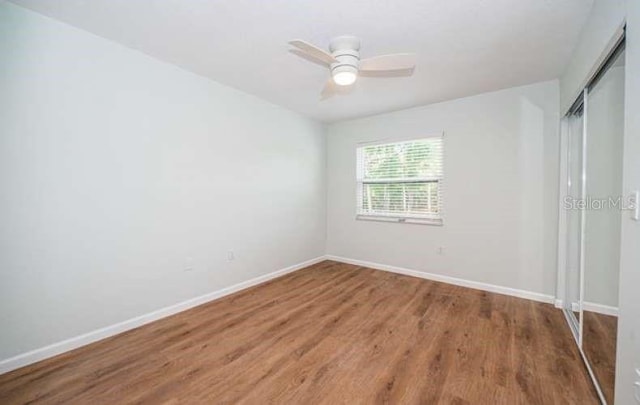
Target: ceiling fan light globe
345,78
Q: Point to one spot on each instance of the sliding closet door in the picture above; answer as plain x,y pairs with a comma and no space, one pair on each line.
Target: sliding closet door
574,184
602,221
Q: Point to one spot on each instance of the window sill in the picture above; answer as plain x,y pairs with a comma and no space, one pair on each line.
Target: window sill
400,220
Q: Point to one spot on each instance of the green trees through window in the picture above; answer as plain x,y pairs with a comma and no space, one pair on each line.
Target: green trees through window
401,179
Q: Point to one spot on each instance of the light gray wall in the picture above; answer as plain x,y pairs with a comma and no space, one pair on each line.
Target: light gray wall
605,130
628,357
500,197
118,172
605,19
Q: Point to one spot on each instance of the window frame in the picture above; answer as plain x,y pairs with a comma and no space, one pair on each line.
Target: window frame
404,218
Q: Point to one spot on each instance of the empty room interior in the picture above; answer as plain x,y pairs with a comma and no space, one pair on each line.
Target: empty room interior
320,202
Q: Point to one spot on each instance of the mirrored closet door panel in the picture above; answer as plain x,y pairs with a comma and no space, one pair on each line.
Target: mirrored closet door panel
574,192
604,122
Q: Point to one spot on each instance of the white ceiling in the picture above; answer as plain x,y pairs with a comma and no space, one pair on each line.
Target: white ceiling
464,47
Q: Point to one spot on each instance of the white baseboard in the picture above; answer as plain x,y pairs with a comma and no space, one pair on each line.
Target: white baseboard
530,295
55,349
560,304
600,308
592,307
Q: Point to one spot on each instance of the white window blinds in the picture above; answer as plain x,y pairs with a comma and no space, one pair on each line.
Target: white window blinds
401,180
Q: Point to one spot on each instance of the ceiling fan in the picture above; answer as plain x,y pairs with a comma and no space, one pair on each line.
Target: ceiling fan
345,64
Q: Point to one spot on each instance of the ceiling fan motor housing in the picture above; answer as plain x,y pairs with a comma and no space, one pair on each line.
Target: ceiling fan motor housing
346,50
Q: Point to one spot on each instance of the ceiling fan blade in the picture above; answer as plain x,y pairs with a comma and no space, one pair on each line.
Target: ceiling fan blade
306,57
387,73
313,51
331,89
397,61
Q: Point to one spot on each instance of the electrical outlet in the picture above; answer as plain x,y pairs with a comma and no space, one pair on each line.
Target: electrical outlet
231,256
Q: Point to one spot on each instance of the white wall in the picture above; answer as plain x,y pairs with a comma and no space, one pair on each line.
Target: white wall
604,25
500,201
117,172
605,130
628,355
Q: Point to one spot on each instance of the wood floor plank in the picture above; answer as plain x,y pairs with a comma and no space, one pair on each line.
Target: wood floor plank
331,333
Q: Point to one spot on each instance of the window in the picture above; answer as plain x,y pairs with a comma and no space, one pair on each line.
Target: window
401,181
